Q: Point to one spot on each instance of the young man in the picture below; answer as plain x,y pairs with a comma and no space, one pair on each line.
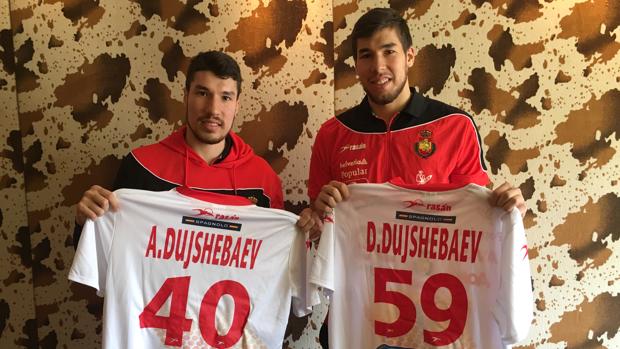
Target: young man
204,154
395,131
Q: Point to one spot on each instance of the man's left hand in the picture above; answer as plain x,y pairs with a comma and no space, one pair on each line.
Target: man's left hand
506,196
307,220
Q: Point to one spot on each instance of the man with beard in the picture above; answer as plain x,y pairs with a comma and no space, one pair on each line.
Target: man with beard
395,132
204,154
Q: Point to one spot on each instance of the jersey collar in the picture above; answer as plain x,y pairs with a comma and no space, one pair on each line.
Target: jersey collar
215,198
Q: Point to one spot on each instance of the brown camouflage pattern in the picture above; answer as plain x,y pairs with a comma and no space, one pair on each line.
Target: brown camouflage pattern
18,326
83,82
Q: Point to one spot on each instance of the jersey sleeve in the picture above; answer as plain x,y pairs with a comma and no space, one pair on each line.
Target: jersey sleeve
320,163
470,164
513,311
299,268
322,270
90,263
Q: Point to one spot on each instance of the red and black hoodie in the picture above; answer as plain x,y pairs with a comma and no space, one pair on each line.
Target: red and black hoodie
171,163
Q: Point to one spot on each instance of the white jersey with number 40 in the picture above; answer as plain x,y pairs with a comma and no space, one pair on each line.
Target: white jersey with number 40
176,271
424,269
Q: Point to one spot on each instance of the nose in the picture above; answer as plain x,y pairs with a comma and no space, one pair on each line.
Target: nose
378,63
212,105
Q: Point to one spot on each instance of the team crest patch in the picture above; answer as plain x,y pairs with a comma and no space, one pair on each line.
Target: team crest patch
425,147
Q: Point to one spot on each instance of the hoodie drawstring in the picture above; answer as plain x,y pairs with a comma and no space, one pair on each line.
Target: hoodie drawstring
186,174
234,184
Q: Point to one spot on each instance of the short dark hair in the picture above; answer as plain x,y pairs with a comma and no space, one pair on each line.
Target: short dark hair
217,62
377,19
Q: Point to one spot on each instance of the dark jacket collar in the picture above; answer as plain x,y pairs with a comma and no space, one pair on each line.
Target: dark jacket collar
361,118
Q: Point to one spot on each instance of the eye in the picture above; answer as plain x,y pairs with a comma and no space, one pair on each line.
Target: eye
227,98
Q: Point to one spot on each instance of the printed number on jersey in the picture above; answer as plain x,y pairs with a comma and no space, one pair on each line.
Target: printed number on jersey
455,314
177,289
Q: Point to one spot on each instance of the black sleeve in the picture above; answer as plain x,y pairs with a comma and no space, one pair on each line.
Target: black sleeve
77,232
132,175
122,180
129,174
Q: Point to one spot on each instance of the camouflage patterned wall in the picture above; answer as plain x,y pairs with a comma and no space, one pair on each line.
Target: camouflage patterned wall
82,82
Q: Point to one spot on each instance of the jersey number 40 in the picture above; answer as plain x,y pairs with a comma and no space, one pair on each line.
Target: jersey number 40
175,323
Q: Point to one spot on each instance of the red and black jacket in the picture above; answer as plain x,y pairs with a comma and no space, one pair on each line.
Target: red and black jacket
427,142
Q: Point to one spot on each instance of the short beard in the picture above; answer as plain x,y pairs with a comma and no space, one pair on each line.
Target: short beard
199,137
387,98
205,140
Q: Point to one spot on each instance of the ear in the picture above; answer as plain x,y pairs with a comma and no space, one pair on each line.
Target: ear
410,56
236,108
185,94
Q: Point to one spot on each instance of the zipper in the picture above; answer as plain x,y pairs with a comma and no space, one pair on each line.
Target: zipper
388,145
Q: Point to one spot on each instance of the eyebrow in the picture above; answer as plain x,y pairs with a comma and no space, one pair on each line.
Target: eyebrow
384,46
204,88
200,87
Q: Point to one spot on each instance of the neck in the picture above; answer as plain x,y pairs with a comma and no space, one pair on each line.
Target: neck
387,111
208,152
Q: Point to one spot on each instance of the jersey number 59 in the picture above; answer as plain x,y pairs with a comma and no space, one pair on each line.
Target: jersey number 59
456,313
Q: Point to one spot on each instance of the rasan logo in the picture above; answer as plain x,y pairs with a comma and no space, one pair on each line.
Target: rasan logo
432,207
350,147
209,213
414,203
204,212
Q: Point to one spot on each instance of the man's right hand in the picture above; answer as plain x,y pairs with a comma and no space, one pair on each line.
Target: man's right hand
95,202
331,194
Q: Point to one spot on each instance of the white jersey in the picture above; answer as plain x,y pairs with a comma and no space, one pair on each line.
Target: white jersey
176,271
420,269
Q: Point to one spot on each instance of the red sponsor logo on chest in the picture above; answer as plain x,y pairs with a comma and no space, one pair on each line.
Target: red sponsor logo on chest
209,213
432,207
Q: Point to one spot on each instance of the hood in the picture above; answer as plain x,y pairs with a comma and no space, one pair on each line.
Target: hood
239,153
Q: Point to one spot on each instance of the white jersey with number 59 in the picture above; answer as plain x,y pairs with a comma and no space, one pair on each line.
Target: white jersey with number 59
176,271
418,269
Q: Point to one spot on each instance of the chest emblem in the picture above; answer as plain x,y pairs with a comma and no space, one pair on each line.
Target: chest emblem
425,147
422,178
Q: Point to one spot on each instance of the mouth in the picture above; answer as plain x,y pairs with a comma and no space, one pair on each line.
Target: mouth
210,123
380,81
